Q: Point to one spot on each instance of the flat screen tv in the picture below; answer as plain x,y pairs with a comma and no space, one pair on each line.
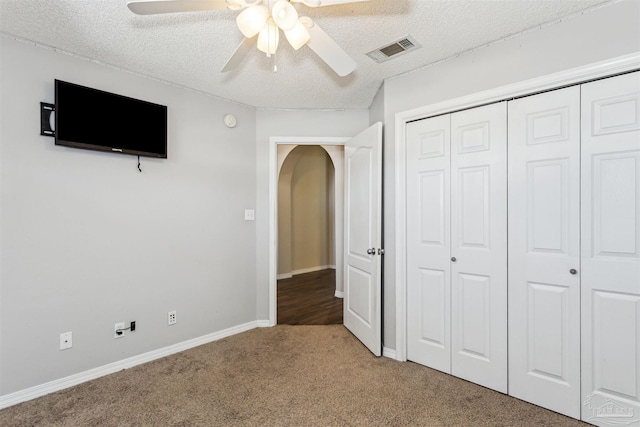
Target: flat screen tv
96,120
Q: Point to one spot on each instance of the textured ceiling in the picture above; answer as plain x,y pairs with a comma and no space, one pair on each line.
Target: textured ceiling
189,49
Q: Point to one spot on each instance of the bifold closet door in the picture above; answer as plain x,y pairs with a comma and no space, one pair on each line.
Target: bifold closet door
544,250
456,244
428,248
479,245
611,250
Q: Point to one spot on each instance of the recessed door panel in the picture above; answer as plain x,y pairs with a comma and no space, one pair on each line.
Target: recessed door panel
360,233
544,239
428,243
616,114
548,328
610,216
434,300
432,144
359,294
473,191
479,246
547,206
616,333
615,197
473,137
430,214
548,126
475,316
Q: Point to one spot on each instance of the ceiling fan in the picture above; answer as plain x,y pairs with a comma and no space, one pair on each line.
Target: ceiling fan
260,22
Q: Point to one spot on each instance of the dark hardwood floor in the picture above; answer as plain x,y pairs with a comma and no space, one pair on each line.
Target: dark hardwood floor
308,299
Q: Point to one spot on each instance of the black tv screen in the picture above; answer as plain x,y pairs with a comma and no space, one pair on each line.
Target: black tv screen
96,120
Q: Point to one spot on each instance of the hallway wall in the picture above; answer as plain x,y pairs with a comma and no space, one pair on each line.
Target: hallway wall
305,211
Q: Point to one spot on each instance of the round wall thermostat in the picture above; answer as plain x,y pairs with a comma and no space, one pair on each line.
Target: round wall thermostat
230,120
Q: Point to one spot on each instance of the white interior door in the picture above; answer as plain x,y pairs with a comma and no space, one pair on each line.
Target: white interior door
479,245
363,212
611,251
428,248
544,248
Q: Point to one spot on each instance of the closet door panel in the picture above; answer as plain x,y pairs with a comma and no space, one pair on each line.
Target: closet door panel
428,246
479,245
544,246
611,250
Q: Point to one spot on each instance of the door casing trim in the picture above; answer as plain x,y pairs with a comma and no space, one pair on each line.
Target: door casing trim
273,205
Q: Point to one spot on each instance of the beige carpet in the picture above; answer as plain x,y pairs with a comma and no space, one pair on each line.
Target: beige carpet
282,376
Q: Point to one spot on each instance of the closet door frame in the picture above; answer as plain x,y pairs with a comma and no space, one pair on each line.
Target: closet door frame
573,76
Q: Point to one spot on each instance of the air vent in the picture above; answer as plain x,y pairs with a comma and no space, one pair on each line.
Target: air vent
394,49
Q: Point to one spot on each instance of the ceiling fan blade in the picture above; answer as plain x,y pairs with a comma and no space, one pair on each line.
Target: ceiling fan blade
174,6
320,3
245,47
328,50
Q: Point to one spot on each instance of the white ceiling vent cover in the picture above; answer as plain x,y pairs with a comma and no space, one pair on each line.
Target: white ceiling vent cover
395,49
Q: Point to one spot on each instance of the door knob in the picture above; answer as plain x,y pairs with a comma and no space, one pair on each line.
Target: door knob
380,251
573,271
371,251
453,259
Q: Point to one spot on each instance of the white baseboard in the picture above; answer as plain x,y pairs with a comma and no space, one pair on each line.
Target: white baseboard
264,324
310,269
75,379
304,270
339,294
389,352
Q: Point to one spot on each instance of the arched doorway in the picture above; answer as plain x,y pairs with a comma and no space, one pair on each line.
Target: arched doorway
306,262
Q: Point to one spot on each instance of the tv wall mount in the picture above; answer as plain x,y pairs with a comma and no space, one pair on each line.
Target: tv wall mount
45,119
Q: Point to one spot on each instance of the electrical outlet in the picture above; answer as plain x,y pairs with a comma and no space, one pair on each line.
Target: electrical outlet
65,341
118,330
172,318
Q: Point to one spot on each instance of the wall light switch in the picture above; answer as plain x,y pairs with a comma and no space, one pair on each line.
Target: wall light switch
249,215
65,341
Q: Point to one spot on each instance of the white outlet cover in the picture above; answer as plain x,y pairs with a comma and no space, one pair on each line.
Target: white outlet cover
172,318
66,340
116,327
249,215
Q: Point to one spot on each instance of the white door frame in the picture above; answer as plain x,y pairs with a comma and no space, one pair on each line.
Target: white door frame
598,70
274,141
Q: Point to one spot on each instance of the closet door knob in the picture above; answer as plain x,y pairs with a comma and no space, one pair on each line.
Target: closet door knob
573,271
371,251
453,259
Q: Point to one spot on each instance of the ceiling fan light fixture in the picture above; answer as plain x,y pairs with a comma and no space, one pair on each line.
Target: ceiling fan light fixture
310,3
252,20
269,38
298,36
284,15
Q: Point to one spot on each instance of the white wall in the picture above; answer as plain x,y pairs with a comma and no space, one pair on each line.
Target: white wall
86,240
305,210
376,109
300,123
311,239
606,33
